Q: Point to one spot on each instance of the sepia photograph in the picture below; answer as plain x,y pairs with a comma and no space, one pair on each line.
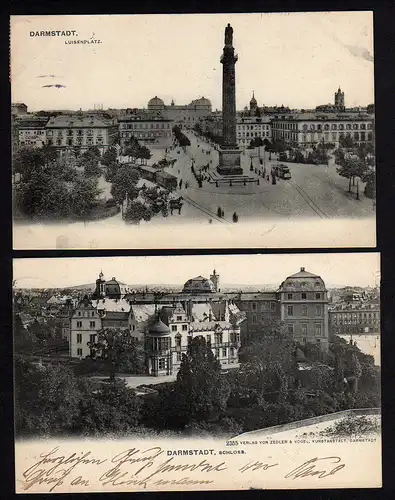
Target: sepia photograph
193,131
197,372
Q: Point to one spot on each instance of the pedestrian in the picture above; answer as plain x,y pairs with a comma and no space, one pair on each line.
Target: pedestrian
223,213
186,185
235,217
180,183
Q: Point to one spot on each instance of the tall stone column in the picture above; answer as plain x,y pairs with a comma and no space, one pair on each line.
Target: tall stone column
229,153
228,60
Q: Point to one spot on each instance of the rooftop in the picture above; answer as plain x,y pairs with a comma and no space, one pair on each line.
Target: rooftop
78,122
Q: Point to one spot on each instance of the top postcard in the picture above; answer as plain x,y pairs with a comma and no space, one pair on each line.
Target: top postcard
193,131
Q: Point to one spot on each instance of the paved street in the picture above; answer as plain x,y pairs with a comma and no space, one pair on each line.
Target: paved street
313,191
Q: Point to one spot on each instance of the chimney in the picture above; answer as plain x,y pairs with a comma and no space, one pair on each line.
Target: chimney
302,269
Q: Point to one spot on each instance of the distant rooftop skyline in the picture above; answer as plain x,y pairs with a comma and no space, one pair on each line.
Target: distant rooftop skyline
357,269
298,59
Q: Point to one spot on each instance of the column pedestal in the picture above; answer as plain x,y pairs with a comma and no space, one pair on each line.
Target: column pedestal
229,161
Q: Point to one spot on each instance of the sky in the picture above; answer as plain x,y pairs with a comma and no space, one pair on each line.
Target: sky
296,59
357,269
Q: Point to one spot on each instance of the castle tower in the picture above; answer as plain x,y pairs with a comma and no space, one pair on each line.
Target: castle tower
215,280
339,100
100,287
229,153
253,105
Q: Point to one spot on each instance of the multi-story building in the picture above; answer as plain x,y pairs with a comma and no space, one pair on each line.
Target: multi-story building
150,128
354,317
184,115
69,132
304,301
31,131
18,108
86,322
306,130
165,321
251,127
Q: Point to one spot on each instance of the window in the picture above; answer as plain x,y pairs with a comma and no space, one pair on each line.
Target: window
291,329
92,324
79,338
92,313
79,324
254,306
178,340
317,296
304,328
253,319
92,338
133,328
232,351
304,296
224,352
272,306
290,310
184,328
317,329
173,328
290,296
79,313
208,339
178,356
304,310
318,310
162,364
79,352
179,318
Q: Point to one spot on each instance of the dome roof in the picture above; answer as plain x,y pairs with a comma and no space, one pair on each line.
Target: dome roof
199,284
159,328
303,280
156,101
201,102
303,274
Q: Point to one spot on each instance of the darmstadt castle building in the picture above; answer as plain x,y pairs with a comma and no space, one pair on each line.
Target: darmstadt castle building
166,322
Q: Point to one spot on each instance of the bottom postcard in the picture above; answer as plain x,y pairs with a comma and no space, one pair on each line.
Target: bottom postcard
197,373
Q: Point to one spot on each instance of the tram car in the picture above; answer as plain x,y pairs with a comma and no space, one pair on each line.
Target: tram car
160,177
166,180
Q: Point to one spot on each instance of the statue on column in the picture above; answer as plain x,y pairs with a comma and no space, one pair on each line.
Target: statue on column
228,35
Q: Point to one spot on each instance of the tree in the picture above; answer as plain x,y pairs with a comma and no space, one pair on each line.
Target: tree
137,211
109,156
143,154
355,369
83,196
200,391
46,399
111,345
114,408
124,184
350,168
268,360
92,168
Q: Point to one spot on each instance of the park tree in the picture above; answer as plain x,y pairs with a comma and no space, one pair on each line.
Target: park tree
124,184
112,409
200,391
109,156
143,154
268,360
112,345
46,399
137,211
83,196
